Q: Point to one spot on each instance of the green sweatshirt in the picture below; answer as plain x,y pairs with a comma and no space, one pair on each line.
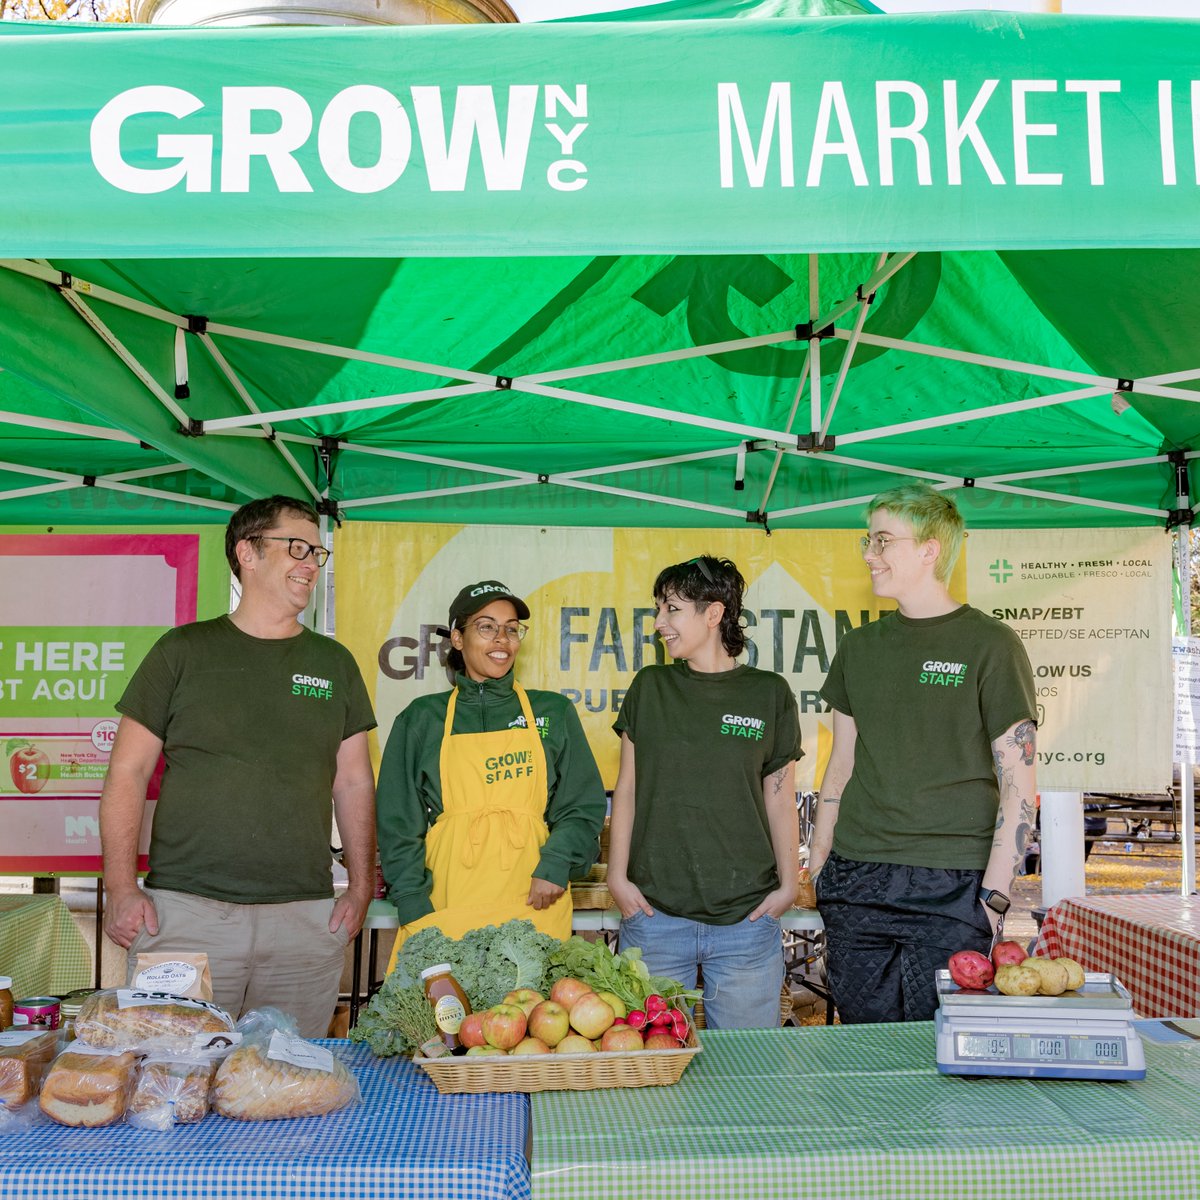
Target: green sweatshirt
409,796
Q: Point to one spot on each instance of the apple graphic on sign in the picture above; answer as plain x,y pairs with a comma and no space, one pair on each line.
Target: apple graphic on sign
28,766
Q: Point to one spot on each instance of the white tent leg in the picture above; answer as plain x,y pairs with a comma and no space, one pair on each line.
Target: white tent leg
1062,846
1187,770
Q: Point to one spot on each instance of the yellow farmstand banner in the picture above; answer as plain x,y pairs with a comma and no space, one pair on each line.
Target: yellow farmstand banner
592,620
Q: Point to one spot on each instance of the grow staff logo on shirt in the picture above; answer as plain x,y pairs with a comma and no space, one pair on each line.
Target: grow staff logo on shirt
747,727
935,673
542,723
312,686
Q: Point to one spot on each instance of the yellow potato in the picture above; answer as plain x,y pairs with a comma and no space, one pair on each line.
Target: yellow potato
1075,976
1052,976
1014,980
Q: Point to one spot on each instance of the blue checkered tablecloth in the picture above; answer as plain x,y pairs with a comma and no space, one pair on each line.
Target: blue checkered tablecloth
404,1142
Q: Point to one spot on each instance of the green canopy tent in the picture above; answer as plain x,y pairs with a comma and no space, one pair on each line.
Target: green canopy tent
630,272
699,265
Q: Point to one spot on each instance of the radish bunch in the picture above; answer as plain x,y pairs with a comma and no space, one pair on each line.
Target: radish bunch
658,1017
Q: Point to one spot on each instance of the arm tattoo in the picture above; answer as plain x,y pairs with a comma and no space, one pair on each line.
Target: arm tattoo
1025,826
1024,737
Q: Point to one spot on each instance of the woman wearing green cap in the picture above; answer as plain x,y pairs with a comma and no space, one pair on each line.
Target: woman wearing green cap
489,799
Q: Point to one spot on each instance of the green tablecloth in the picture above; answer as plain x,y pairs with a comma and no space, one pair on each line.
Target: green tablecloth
834,1113
41,946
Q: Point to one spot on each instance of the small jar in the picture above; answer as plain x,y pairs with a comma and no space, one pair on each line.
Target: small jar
69,1008
450,1003
6,1002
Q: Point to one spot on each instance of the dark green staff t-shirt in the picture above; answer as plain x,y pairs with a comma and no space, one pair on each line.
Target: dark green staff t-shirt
703,744
251,729
928,697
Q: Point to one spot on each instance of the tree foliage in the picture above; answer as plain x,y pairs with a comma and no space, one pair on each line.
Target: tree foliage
116,12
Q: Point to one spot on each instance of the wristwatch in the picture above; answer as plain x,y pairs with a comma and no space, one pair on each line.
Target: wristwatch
998,902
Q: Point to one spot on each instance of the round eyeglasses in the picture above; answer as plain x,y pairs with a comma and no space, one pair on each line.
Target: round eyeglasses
299,549
490,631
877,543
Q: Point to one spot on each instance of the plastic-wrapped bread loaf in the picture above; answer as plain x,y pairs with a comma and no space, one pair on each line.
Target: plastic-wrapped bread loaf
170,1091
88,1089
257,1082
126,1019
24,1058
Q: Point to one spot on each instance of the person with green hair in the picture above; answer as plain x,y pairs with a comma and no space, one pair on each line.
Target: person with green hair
929,794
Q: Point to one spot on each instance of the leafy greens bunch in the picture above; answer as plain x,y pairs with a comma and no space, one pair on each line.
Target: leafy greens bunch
488,963
624,974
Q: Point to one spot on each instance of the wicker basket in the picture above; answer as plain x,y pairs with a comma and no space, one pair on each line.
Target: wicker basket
591,895
598,873
785,1009
560,1072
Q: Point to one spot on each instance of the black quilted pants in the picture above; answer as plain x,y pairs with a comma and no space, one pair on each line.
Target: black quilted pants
889,928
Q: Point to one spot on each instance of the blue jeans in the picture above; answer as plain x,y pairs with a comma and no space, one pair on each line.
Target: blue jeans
742,964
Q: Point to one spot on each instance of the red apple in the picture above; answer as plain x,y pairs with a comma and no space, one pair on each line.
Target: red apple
531,1045
481,1051
621,1037
470,1032
504,1025
1008,954
591,1016
661,1040
524,999
567,990
550,1022
574,1043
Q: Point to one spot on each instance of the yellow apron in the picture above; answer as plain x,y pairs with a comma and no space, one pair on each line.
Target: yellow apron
484,847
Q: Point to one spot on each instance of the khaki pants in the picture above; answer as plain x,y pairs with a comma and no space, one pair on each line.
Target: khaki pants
281,955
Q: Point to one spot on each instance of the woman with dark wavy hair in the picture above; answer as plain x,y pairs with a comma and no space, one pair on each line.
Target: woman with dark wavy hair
704,845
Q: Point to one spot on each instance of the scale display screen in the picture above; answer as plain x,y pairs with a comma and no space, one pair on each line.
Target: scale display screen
1041,1048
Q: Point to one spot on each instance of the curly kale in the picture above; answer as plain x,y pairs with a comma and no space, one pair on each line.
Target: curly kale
516,956
487,962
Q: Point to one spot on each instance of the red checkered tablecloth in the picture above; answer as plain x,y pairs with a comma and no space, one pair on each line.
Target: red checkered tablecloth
1150,943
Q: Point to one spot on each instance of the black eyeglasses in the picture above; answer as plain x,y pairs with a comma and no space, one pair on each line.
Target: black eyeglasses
298,548
704,569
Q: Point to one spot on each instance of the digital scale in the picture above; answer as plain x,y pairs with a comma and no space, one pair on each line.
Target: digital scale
1084,1034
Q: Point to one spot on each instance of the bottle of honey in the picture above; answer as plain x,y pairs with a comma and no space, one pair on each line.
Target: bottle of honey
450,1003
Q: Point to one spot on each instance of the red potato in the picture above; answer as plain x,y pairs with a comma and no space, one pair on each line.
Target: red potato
970,969
1011,954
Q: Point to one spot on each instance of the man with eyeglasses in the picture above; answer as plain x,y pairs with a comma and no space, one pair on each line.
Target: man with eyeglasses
263,727
929,794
